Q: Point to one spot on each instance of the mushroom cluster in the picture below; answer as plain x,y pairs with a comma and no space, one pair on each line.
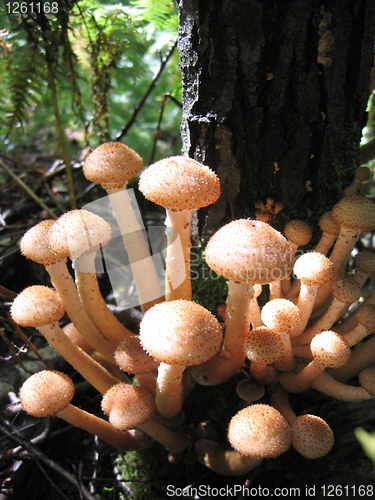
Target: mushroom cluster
303,338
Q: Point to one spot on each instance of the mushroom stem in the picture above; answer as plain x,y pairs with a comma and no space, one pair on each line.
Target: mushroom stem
169,397
141,262
326,384
174,441
363,355
177,273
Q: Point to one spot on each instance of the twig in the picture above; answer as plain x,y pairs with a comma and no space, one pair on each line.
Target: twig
138,108
28,190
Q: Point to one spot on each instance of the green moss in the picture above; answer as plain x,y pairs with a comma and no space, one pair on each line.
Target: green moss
136,474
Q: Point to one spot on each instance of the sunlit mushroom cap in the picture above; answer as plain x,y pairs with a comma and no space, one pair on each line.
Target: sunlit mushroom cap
346,290
312,436
132,358
180,183
46,393
328,224
78,232
112,164
250,251
34,244
298,232
262,345
314,268
330,349
128,406
36,306
281,315
260,430
356,212
180,332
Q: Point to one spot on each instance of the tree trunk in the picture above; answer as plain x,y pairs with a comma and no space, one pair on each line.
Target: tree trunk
274,100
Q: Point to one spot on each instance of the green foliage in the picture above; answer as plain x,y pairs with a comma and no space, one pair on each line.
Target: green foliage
367,441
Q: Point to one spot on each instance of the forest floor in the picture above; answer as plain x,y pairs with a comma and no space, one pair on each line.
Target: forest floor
47,458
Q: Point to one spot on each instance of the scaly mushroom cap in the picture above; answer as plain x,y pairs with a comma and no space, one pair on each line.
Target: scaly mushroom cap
179,183
262,345
46,393
250,251
356,212
260,430
36,306
330,349
132,358
281,315
312,436
364,261
366,378
34,244
298,232
78,232
346,290
365,315
314,268
128,406
328,224
112,164
180,332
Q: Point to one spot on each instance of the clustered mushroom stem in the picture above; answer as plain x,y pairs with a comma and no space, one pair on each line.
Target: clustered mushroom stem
174,442
280,400
177,273
363,355
328,385
169,397
142,265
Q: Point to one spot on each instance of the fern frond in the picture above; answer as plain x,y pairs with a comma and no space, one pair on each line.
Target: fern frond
162,14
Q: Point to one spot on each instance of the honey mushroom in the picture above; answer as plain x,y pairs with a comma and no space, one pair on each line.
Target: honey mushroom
327,384
79,234
246,252
330,231
112,165
180,185
178,333
40,307
49,392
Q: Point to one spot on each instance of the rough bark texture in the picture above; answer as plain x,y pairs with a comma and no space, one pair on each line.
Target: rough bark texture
260,109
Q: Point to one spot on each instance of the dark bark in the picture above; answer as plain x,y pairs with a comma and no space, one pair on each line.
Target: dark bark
259,108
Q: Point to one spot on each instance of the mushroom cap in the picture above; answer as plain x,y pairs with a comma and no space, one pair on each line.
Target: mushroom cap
250,251
298,232
281,315
366,378
364,261
112,163
346,290
78,232
328,224
36,306
363,173
314,268
330,349
355,212
132,358
365,315
250,389
180,332
262,345
128,406
312,436
180,183
46,393
260,430
34,244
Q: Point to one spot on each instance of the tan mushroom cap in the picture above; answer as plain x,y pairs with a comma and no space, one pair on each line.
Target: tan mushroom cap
364,261
112,163
78,232
36,306
132,358
314,268
281,315
180,332
298,232
330,349
128,406
46,393
180,183
356,212
365,315
346,290
250,251
328,224
312,436
34,244
366,378
262,345
260,431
